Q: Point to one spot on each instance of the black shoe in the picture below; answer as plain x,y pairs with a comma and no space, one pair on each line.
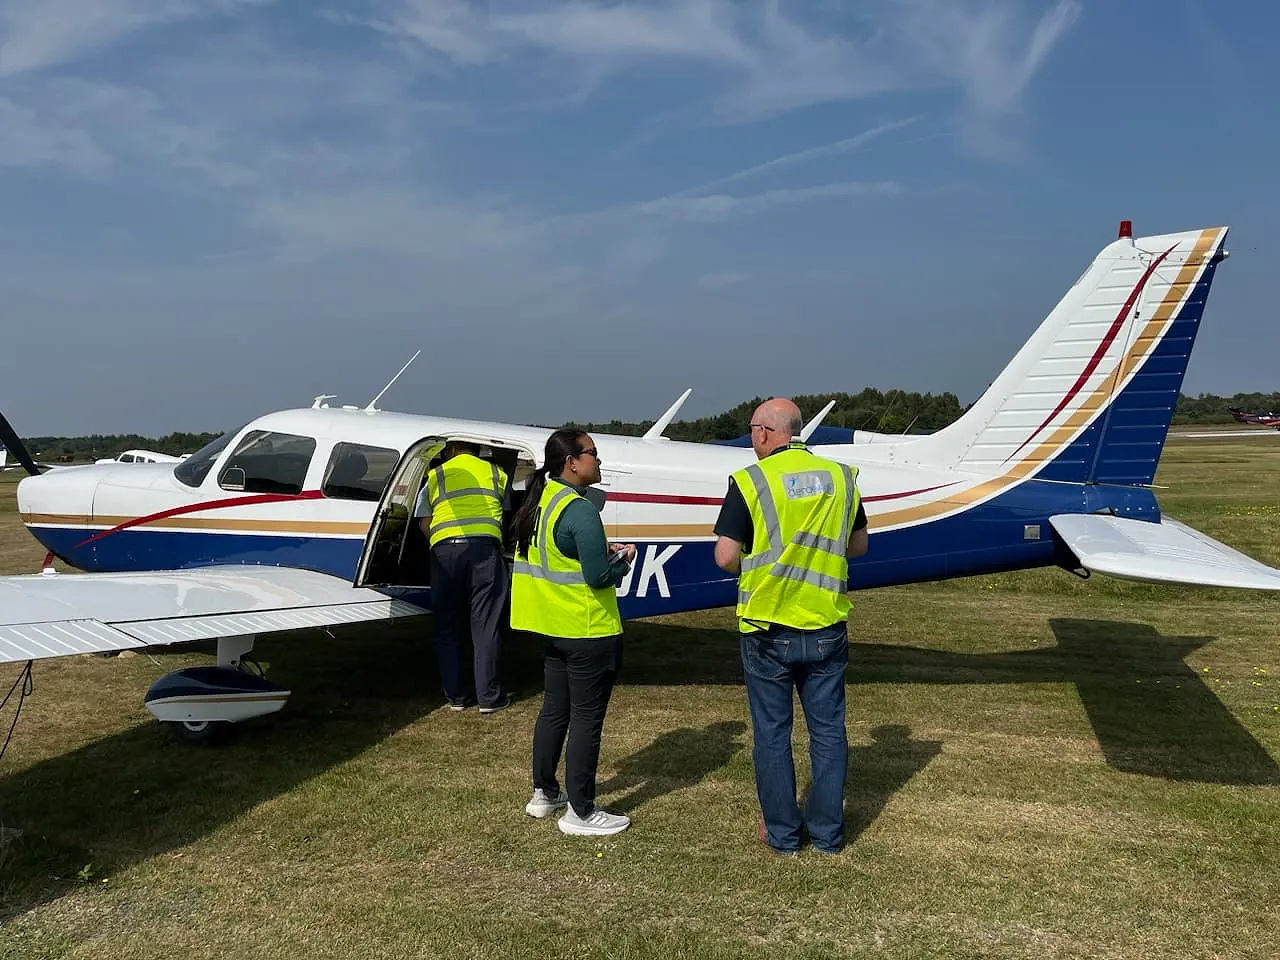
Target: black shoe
503,702
459,705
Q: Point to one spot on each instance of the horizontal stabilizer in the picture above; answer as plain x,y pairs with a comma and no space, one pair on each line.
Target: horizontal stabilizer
1164,552
54,616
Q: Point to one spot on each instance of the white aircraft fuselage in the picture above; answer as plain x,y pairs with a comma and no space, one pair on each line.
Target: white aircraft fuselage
1074,425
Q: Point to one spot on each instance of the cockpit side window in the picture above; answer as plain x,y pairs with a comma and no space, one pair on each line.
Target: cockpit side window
358,472
196,467
267,462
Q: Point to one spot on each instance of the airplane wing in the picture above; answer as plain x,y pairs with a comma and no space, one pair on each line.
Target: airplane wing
1164,552
62,614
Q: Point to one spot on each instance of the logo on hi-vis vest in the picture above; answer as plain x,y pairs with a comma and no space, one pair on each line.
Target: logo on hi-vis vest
809,484
652,572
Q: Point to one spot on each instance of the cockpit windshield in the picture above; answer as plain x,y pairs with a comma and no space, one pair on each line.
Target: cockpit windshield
196,467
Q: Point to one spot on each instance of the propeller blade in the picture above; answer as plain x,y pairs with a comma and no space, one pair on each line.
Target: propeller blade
14,445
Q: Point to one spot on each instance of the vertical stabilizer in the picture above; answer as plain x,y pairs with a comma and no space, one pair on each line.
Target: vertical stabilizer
1090,396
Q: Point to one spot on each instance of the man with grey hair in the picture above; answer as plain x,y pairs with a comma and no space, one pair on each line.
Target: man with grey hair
788,526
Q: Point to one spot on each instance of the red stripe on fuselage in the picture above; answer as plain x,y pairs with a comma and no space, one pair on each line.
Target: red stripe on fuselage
907,493
621,497
200,507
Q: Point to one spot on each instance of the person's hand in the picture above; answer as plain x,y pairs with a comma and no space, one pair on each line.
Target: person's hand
630,549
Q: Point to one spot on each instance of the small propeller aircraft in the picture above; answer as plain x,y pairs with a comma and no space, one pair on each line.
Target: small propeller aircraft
304,517
1258,419
6,465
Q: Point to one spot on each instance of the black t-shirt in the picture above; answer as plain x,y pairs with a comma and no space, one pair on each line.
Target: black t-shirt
735,523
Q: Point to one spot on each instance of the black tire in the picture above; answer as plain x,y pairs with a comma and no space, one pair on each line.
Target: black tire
197,733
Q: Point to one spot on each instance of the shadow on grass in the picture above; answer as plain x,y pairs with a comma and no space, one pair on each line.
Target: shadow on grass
135,794
879,770
1152,713
676,760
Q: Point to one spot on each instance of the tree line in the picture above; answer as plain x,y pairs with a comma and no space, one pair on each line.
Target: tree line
899,411
99,445
882,411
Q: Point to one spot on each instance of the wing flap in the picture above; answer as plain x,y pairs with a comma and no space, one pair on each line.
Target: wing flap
36,641
183,629
1164,552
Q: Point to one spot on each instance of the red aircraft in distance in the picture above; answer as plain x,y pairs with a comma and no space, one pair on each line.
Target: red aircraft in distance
1260,419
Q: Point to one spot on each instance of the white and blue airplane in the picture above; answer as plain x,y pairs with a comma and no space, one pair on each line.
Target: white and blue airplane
302,517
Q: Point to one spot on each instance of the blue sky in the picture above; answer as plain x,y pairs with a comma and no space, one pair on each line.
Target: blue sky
216,208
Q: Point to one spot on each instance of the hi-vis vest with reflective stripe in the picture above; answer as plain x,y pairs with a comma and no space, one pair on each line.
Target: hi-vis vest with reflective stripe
464,495
802,507
548,594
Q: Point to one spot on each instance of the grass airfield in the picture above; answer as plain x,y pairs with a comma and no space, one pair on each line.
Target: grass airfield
1040,767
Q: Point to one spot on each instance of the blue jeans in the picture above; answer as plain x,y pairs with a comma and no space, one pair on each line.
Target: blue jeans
811,661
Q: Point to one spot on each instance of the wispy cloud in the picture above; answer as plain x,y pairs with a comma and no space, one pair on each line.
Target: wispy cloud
847,145
28,139
719,206
35,34
770,59
990,51
722,279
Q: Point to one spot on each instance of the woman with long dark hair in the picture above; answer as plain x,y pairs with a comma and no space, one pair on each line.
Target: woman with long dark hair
563,588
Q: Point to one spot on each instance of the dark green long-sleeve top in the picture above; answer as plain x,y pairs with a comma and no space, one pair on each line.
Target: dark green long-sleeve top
579,535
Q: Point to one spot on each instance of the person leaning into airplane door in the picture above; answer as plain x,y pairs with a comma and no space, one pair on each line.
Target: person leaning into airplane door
563,587
460,513
788,525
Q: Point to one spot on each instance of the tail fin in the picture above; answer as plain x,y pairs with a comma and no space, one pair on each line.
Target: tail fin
1089,398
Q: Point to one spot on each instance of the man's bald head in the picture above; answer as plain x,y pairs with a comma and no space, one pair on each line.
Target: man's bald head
783,421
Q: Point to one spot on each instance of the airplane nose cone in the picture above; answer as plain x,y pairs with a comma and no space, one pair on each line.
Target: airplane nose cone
60,496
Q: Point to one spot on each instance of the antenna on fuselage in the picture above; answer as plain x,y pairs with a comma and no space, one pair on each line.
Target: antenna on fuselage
664,421
371,406
813,424
319,401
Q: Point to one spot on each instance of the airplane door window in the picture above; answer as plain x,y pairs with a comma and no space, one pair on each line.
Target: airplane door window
358,472
267,462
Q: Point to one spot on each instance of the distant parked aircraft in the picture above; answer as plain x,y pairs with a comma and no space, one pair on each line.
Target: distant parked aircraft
1258,419
140,456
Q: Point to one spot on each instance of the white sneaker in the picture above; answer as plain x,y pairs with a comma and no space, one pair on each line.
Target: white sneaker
599,824
543,805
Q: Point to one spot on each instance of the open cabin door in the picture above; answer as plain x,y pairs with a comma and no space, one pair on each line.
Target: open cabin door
396,552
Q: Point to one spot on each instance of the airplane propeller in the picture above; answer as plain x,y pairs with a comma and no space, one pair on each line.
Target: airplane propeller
14,445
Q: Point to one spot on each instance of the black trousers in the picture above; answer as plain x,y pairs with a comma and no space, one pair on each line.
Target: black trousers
469,586
578,677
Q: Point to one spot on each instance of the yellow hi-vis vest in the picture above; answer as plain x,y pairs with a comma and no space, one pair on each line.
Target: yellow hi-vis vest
464,495
548,594
796,574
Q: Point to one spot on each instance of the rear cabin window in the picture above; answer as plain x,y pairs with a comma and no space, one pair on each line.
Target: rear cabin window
267,462
358,472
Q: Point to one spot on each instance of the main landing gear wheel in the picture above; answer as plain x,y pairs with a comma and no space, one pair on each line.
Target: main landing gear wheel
199,704
197,733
